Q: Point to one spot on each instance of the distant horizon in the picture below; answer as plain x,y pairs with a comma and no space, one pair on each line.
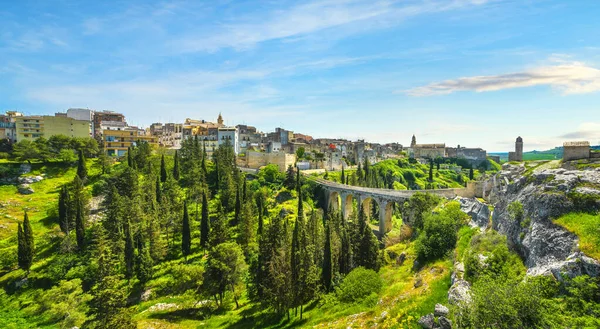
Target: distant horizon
486,72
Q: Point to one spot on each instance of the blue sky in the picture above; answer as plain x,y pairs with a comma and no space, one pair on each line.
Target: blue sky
468,72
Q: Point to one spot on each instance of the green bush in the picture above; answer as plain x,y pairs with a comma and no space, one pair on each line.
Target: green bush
437,237
515,211
359,284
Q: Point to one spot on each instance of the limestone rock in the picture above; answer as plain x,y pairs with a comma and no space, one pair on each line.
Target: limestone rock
547,194
445,323
479,212
29,179
427,321
25,189
25,168
441,310
459,293
146,295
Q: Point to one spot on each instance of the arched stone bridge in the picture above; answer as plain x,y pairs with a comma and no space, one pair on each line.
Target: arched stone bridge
385,198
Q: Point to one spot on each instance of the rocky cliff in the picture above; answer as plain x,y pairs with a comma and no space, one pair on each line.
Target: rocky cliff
545,193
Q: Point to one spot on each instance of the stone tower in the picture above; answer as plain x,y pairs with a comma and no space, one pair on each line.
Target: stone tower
413,142
220,119
517,155
519,148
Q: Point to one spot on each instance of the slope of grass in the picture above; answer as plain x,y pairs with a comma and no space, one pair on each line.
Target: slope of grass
587,228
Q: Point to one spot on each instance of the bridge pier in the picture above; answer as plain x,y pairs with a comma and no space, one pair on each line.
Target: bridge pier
385,216
346,205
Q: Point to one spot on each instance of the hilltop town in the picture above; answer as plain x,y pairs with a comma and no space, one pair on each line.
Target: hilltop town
253,147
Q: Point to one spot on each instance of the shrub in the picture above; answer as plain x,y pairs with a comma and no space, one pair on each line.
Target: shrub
359,284
515,211
437,237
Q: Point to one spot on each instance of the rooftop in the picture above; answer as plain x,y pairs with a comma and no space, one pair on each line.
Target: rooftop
576,144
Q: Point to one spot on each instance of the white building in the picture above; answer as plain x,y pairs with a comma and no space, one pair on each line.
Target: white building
230,134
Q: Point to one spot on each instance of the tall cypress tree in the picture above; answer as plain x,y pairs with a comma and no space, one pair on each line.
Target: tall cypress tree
471,173
203,163
129,251
186,238
64,210
158,191
327,275
238,207
343,179
25,247
129,158
368,245
79,212
219,232
296,254
81,167
244,191
204,223
176,166
431,171
163,169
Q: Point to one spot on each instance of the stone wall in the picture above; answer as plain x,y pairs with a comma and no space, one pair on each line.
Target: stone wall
576,153
256,160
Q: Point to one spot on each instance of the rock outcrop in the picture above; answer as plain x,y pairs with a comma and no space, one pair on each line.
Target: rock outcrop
479,212
546,195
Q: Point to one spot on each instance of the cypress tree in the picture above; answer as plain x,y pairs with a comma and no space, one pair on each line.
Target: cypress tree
430,171
25,247
238,207
296,255
79,214
219,229
343,179
144,265
22,249
186,239
204,223
368,245
289,178
327,275
471,174
345,261
203,164
64,209
163,169
176,167
129,158
81,167
158,191
129,251
244,191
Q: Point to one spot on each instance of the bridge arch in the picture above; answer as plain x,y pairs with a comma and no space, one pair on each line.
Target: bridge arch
333,201
347,205
386,212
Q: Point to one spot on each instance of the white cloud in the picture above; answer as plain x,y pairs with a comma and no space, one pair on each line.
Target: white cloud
310,18
569,78
589,131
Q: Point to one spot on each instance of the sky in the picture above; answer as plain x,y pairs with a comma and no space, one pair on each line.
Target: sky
475,73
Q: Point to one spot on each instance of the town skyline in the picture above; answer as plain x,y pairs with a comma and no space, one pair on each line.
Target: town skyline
487,72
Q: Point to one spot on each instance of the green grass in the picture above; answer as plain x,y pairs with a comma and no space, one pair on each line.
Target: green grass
587,228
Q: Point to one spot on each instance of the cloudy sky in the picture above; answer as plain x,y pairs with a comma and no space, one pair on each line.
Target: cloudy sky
468,72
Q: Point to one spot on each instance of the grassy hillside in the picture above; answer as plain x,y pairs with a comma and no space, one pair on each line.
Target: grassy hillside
59,291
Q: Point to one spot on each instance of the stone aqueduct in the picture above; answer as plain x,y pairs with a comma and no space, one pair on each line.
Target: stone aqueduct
384,198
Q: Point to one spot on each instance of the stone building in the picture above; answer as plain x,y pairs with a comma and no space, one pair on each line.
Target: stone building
576,150
426,151
517,155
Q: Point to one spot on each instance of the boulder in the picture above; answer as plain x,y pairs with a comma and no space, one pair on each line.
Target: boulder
25,168
427,321
444,323
400,260
479,212
441,310
459,293
25,189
